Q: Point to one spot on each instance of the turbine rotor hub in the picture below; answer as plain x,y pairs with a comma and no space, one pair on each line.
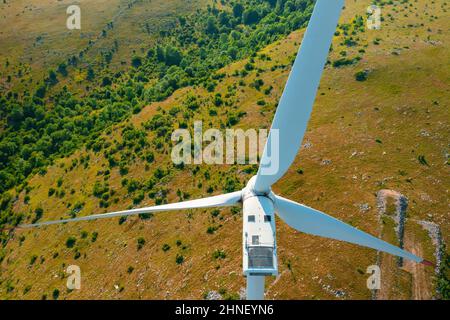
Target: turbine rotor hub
249,190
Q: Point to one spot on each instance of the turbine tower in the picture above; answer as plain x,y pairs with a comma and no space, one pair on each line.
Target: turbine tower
257,199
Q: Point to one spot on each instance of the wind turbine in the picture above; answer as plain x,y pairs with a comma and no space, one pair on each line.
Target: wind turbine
257,199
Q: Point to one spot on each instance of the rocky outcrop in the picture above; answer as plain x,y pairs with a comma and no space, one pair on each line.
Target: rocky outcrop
434,232
393,204
386,196
213,295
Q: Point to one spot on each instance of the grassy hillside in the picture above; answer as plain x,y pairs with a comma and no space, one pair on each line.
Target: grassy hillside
34,34
389,131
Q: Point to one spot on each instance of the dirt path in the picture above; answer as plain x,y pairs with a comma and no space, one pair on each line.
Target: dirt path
421,288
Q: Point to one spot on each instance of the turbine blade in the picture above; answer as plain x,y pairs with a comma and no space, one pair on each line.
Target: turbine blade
294,108
228,199
311,221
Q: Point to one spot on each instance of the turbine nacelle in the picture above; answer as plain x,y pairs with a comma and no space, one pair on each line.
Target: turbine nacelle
259,245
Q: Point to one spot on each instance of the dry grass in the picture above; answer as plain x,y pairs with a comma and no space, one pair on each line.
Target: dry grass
394,105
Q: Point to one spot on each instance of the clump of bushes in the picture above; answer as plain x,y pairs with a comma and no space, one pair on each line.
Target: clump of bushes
33,259
179,259
38,213
55,294
344,62
361,75
212,229
70,242
219,254
443,282
140,243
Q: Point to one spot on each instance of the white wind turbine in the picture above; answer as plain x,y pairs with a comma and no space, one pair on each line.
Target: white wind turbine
258,201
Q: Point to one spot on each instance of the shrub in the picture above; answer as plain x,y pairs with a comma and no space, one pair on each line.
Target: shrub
165,247
39,212
422,160
27,289
139,197
179,259
51,192
133,185
215,213
70,242
140,243
268,90
443,281
261,102
145,216
343,62
257,84
150,157
361,76
9,287
136,61
33,259
122,219
55,294
106,81
219,254
211,229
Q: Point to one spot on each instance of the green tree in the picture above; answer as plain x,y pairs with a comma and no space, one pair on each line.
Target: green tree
15,117
62,69
136,61
223,18
238,9
52,78
211,26
106,81
361,76
250,16
41,91
39,212
160,54
173,56
90,74
70,242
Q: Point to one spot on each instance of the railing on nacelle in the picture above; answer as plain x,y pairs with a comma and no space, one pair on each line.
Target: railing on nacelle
260,244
